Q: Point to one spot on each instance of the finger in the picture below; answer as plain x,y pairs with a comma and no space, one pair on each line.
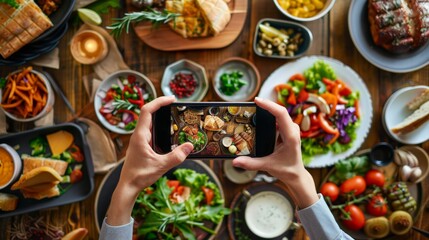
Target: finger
145,118
284,121
179,154
248,163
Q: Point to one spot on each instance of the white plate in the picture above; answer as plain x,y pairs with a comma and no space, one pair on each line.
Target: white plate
105,86
395,111
347,75
392,62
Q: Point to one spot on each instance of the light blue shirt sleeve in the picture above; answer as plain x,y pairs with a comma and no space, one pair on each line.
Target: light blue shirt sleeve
319,223
122,232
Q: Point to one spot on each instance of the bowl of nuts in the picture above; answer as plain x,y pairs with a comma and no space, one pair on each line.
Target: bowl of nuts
281,39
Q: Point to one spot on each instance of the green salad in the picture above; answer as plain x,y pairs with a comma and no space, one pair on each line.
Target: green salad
188,207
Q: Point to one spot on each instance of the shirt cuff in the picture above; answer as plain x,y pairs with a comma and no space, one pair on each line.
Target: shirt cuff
318,221
121,232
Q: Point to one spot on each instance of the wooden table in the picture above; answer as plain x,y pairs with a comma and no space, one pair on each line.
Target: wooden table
331,38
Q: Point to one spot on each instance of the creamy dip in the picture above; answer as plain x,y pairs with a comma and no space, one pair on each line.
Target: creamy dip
268,214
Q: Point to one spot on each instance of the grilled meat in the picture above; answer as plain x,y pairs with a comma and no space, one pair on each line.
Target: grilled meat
399,25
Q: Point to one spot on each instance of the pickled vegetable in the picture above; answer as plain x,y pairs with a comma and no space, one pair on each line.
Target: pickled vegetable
400,222
377,227
400,198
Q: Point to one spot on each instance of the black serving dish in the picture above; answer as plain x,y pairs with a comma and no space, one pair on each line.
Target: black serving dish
77,192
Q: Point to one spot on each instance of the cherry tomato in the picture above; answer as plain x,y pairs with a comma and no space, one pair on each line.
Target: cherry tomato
330,190
173,184
375,177
355,219
76,175
76,153
355,184
377,206
209,194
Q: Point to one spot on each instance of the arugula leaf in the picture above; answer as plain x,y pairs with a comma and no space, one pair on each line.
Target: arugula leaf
103,6
11,3
3,82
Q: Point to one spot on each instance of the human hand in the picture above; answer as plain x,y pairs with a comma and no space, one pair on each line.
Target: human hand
285,163
142,165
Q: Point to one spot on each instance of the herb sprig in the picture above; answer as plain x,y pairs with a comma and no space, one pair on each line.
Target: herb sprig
154,16
12,3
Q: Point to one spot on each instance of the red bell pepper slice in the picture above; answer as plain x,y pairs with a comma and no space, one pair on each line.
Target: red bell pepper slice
302,96
324,124
209,194
297,76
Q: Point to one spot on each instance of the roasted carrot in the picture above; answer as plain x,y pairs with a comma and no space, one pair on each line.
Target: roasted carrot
12,90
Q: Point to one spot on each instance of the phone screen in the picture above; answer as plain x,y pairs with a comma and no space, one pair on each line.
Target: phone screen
215,130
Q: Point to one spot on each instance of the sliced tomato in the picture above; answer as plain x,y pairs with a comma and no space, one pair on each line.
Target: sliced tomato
328,82
173,184
314,121
76,153
208,192
297,76
324,124
131,79
303,96
76,175
291,99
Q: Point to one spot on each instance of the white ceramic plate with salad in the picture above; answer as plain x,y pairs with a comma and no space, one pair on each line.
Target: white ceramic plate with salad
363,111
119,98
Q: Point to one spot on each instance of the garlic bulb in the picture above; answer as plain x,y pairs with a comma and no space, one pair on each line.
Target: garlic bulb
405,173
415,174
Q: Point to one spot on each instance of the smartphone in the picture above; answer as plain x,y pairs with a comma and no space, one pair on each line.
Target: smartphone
218,130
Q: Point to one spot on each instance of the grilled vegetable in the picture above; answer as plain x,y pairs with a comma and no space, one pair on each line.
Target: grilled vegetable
400,222
377,227
400,198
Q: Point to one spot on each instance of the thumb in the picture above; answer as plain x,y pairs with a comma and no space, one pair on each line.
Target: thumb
248,163
180,153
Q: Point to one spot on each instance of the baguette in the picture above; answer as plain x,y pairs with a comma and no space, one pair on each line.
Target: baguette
31,163
8,202
419,100
416,119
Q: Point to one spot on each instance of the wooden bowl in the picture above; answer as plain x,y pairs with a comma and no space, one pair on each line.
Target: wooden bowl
423,158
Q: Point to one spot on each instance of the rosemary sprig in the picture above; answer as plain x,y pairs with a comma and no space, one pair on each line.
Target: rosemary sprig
122,104
152,15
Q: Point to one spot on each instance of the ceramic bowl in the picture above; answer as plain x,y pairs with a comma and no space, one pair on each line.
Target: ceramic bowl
187,67
326,8
306,38
395,110
106,85
250,76
17,164
49,101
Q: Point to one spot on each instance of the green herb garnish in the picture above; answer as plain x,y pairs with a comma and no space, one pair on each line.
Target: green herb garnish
152,15
11,3
3,82
230,83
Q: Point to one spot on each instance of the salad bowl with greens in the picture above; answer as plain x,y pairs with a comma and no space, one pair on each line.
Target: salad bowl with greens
330,103
186,203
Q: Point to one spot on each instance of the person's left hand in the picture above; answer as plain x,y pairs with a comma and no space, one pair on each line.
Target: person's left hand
143,166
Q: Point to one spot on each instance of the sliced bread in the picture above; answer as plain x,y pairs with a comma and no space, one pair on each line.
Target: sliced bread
419,100
8,202
37,176
48,193
413,121
31,163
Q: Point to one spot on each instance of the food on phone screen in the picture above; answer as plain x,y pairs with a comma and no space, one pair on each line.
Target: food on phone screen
121,104
325,108
183,85
229,132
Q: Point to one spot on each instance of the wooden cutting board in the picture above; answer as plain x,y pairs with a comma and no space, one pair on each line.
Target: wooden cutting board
165,39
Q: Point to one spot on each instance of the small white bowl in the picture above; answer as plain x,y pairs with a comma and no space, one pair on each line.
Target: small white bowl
395,111
17,164
49,102
189,67
326,8
105,86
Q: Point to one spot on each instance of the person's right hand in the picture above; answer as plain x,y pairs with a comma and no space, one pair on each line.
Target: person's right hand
285,163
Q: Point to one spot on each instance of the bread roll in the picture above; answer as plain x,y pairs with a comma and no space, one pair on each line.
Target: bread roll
8,202
416,119
419,100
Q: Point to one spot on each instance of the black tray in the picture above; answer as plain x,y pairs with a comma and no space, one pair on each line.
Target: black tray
77,192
